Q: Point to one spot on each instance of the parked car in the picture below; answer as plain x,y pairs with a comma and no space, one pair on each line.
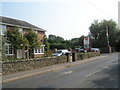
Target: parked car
60,52
80,49
95,49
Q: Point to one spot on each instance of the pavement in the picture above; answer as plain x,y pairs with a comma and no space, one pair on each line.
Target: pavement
34,72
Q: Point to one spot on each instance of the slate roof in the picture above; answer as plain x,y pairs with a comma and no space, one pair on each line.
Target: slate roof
19,23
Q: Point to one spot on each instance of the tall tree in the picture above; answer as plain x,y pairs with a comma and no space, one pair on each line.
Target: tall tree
98,31
33,41
47,44
77,42
54,39
15,38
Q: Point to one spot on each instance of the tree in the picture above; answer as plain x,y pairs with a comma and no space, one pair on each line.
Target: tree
77,42
46,43
56,42
98,32
16,39
67,44
33,41
55,39
57,45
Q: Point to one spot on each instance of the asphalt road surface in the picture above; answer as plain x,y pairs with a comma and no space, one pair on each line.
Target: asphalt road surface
102,73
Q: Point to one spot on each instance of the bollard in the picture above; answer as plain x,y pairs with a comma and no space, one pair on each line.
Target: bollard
69,57
74,57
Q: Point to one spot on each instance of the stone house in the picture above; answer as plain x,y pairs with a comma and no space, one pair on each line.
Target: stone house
7,23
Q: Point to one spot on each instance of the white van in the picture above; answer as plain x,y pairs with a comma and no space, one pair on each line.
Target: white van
60,52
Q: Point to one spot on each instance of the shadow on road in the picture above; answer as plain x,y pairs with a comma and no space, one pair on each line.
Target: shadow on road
110,78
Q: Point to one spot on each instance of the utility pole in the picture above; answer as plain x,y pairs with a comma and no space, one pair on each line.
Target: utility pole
108,44
107,36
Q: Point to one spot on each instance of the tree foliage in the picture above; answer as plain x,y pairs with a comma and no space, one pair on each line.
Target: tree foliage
77,42
20,41
32,39
55,39
15,38
46,43
59,42
98,33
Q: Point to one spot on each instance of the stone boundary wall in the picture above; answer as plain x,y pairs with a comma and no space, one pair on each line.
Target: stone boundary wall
81,56
9,67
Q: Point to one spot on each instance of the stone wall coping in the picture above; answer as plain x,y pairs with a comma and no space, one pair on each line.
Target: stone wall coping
25,60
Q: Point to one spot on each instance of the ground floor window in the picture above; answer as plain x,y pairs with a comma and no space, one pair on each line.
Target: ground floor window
39,50
9,50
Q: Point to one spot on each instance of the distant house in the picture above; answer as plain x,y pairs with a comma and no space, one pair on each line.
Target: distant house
23,26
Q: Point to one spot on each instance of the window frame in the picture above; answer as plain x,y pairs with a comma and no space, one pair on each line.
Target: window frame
20,30
3,29
36,32
8,50
39,50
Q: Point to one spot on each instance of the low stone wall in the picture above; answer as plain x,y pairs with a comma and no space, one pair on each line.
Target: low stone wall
81,56
9,67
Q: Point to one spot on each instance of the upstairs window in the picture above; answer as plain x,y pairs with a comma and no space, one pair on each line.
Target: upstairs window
2,29
36,32
21,30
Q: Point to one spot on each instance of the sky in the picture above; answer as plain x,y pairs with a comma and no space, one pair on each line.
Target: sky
66,18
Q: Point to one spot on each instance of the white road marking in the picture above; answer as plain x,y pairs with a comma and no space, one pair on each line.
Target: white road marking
92,73
105,67
95,72
69,72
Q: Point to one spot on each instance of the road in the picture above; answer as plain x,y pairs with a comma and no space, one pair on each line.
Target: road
102,73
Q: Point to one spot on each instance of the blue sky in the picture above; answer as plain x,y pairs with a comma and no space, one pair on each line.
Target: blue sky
68,19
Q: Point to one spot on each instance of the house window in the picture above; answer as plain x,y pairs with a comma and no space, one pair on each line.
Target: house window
21,30
40,50
36,32
35,50
2,29
9,50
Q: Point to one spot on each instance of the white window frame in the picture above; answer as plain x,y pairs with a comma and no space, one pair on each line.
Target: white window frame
40,50
36,31
21,30
2,29
8,47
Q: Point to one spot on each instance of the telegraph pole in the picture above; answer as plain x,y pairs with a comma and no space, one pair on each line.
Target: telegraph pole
108,44
107,36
